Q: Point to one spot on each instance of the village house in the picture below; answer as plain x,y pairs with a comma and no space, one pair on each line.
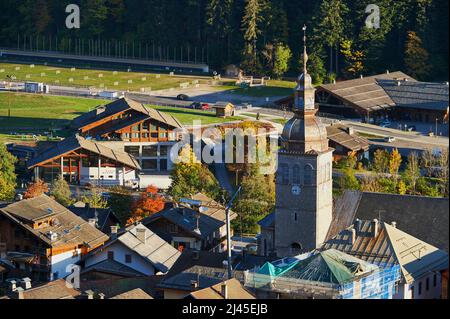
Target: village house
137,248
346,143
101,218
43,238
198,223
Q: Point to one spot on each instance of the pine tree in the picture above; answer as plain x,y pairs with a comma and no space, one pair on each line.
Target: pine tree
331,27
251,27
416,57
94,199
283,56
60,191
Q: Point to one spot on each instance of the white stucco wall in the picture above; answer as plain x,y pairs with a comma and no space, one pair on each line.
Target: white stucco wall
60,262
434,292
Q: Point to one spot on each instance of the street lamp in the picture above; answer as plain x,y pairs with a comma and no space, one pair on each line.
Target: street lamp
437,126
227,212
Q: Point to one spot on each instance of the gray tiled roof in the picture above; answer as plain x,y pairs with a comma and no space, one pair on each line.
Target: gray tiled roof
158,252
426,218
419,95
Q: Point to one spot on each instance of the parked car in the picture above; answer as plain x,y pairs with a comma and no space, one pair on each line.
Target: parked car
389,139
385,123
200,106
182,97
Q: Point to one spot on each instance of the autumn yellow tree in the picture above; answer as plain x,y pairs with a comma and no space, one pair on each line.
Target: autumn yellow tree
395,160
354,59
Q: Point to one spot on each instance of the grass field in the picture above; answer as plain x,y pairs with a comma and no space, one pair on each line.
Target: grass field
31,113
273,88
96,78
119,81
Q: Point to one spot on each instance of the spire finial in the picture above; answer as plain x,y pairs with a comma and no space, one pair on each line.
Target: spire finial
305,54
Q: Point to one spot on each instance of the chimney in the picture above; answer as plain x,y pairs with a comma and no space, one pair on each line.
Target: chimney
394,224
350,130
375,227
353,236
194,285
357,226
195,255
12,285
89,294
114,231
26,283
141,234
19,293
224,290
93,222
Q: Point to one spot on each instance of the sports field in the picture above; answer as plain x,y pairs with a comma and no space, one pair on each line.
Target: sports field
99,79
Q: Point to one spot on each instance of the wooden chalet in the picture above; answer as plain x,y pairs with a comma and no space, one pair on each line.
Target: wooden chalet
126,120
346,143
43,237
83,161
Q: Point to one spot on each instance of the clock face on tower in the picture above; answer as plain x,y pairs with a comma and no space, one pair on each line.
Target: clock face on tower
296,190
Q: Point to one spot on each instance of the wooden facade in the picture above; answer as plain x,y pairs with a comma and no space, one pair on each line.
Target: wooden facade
129,126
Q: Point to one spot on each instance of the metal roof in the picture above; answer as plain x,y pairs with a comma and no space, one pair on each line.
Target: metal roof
365,93
158,252
418,95
77,142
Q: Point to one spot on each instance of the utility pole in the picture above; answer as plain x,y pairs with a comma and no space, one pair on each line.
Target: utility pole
227,212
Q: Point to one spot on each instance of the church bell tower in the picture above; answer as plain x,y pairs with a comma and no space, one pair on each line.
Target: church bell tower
304,202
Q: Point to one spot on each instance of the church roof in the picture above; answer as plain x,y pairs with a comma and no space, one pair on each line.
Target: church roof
422,217
329,266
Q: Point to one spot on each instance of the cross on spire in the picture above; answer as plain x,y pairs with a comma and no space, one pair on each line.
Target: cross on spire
305,54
